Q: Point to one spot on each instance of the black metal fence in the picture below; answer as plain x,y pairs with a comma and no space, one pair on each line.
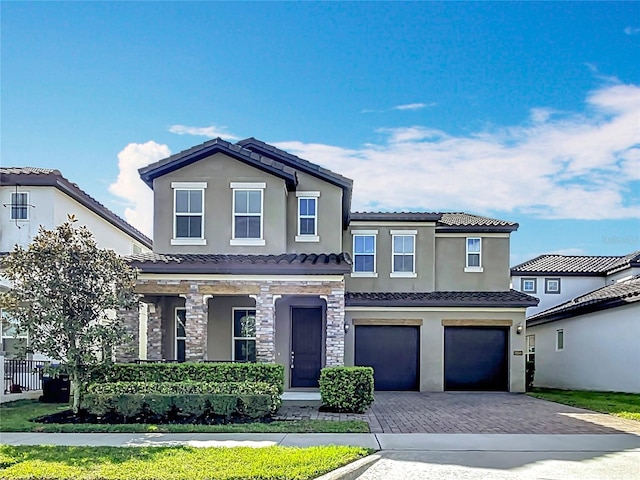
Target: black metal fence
23,375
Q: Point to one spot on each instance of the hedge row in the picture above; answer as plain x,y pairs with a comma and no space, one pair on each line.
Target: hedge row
346,389
132,405
190,388
270,373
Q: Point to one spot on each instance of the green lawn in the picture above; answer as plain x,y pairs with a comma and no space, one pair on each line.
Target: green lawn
625,405
172,463
16,416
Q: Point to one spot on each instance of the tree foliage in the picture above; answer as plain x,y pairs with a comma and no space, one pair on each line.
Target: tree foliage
65,292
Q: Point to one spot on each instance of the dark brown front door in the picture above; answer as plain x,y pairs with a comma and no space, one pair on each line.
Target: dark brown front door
306,346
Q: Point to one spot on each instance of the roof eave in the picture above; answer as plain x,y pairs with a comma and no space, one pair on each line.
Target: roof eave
249,269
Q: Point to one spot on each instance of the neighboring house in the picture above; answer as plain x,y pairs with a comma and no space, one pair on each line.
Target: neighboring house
258,257
35,197
585,332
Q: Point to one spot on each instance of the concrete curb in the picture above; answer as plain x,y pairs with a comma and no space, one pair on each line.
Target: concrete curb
353,470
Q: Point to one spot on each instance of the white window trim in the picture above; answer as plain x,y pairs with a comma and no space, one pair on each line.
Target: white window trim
528,351
308,238
175,332
249,242
233,337
367,233
558,349
12,202
188,240
308,194
468,268
403,233
535,285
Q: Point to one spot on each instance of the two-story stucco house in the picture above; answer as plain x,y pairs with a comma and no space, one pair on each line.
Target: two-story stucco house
35,197
258,257
584,334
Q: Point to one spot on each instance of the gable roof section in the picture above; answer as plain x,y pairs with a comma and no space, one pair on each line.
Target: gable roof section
445,221
576,265
218,145
291,264
507,299
44,177
305,166
614,295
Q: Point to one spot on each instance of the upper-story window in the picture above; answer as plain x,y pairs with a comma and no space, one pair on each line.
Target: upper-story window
188,213
403,253
19,206
551,285
364,253
474,255
528,285
307,217
247,214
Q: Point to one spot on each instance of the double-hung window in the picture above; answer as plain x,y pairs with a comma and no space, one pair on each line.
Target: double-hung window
307,217
473,255
188,213
247,214
244,335
20,206
403,253
181,334
364,253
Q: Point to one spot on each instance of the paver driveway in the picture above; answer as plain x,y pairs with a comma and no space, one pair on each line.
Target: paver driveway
414,412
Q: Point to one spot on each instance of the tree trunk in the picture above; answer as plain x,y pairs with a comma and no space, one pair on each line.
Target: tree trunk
75,391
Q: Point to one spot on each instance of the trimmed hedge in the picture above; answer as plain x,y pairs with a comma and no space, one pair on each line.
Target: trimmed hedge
270,373
190,388
346,389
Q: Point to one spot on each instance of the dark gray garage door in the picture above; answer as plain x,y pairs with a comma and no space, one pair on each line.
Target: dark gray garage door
393,352
476,358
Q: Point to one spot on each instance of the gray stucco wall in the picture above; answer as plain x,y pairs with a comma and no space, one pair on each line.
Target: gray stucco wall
220,331
451,261
432,341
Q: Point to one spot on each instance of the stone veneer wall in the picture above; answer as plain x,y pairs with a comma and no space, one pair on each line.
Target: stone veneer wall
197,292
130,320
154,331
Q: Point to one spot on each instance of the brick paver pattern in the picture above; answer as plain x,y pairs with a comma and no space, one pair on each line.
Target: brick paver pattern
414,412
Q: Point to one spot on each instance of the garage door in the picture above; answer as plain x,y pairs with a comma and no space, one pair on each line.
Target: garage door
393,352
476,358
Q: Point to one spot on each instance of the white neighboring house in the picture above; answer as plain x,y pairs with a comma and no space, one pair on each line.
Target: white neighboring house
34,197
585,332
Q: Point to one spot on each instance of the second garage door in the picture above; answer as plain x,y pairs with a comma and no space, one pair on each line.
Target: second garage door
475,358
393,352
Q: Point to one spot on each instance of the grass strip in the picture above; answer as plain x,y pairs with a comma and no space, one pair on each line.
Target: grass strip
624,405
172,463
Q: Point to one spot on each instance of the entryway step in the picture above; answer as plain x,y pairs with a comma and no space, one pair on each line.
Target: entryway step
301,399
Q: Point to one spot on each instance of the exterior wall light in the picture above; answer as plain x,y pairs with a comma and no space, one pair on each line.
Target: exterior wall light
519,329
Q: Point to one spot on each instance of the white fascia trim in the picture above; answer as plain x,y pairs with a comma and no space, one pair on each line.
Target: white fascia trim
188,241
248,185
308,194
473,269
364,275
472,235
403,275
226,277
307,238
364,232
435,309
189,185
403,232
247,242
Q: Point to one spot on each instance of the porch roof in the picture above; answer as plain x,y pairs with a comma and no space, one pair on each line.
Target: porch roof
291,264
504,299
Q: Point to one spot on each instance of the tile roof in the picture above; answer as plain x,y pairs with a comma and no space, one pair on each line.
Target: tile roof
193,154
509,298
446,221
302,264
461,219
45,177
610,296
577,264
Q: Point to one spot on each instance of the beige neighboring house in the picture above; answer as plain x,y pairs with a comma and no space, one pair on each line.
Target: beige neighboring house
258,257
34,197
586,331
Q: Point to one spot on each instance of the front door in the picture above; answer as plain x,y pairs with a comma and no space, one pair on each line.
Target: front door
306,346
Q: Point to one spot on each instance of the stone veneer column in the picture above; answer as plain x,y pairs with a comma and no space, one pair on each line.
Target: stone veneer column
130,350
196,326
335,326
154,331
265,325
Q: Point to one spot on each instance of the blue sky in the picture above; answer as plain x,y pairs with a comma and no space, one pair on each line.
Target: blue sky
522,111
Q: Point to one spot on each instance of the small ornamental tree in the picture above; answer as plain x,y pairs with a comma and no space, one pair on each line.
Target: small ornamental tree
64,293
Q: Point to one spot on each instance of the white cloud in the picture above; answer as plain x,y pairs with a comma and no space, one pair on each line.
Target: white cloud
131,188
569,166
211,131
632,30
413,106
